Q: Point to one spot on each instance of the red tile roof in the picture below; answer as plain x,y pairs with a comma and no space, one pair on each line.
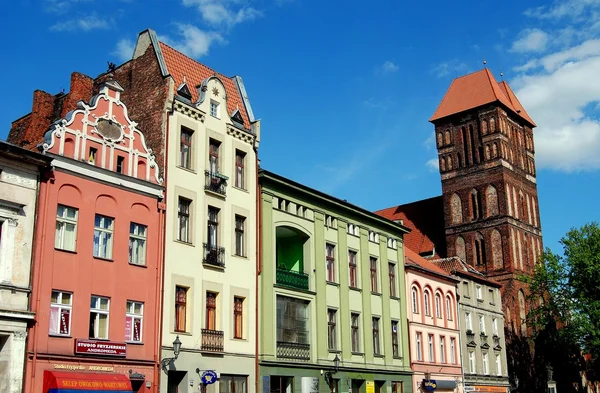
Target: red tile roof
457,266
413,259
181,66
426,221
477,89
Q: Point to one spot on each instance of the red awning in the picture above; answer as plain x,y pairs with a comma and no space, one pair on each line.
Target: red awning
65,381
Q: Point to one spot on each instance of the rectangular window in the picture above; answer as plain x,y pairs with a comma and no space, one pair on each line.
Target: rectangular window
240,249
331,329
479,292
238,317
397,387
494,326
486,368
240,158
330,258
66,228
373,268
213,156
292,320
448,308
466,289
92,156
133,321
212,228
185,147
103,236
120,162
99,309
468,321
180,309
354,321
491,296
183,220
392,275
214,109
376,347
137,244
443,349
481,324
61,305
211,311
430,348
395,345
419,346
233,383
453,350
472,362
352,268
498,365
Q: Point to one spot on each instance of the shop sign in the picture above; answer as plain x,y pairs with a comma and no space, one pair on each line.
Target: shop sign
310,385
429,385
208,377
76,367
489,389
104,348
370,386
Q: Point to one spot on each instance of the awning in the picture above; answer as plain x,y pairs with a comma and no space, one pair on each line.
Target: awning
73,382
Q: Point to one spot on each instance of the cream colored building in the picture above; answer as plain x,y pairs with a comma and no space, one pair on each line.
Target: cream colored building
210,245
19,183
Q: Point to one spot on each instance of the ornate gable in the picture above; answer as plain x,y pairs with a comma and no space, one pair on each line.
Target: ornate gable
102,134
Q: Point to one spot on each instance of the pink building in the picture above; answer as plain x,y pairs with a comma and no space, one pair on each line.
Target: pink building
97,266
433,326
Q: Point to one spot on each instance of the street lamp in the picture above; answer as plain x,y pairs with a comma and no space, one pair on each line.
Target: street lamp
336,368
166,362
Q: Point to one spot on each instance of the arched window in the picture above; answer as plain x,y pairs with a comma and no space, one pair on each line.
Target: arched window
442,164
522,313
459,159
438,305
508,318
487,152
449,162
492,124
484,126
523,206
473,144
463,135
497,256
426,304
494,150
479,257
476,206
447,137
460,248
456,209
440,141
415,300
448,308
491,201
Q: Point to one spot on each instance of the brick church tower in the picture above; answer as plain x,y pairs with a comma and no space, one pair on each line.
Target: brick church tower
486,157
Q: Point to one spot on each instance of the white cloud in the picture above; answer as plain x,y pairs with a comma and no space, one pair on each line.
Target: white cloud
61,6
564,9
192,41
433,165
223,13
92,22
388,67
445,68
530,40
124,49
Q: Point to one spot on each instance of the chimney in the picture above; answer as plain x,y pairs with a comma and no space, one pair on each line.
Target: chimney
80,90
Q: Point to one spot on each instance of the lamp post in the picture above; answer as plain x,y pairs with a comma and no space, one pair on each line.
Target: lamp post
336,368
166,362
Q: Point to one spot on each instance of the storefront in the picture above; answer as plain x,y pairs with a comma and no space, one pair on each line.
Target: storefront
438,385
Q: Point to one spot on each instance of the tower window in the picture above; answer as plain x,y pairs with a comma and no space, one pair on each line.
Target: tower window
476,205
479,250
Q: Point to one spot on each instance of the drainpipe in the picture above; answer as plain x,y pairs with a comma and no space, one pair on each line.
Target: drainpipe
258,267
458,318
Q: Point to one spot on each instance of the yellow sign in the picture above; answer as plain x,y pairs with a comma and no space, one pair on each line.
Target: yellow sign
489,389
370,386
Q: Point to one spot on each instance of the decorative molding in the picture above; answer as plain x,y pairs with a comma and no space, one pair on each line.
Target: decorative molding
15,178
239,134
189,111
19,335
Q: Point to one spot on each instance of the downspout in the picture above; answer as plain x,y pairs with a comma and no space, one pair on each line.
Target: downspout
258,267
158,346
458,318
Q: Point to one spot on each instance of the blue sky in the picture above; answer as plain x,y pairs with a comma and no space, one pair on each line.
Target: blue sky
345,89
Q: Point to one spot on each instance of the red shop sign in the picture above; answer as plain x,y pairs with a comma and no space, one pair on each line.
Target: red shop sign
102,348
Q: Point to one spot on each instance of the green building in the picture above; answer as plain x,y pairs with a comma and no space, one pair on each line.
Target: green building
331,287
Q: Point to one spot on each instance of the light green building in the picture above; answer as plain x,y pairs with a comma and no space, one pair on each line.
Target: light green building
331,285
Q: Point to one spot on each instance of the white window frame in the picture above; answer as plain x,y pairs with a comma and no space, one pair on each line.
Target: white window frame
130,313
136,238
63,221
215,109
430,348
495,326
482,324
102,232
486,366
94,308
426,308
472,362
415,300
479,292
438,306
419,346
498,365
452,350
468,324
448,308
59,306
443,349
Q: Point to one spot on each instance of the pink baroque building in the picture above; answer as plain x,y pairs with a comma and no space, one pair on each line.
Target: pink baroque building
97,266
433,326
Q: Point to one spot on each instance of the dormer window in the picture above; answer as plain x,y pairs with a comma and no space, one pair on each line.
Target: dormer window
214,109
92,156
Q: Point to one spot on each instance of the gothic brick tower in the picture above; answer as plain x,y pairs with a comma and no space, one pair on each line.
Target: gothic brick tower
486,154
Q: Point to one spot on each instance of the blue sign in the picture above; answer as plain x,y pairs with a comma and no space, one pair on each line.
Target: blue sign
208,377
429,385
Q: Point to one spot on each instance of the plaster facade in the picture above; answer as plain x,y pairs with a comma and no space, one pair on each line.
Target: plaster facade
98,259
433,326
331,285
19,184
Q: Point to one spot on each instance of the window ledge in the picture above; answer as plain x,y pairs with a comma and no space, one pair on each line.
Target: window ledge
182,333
358,353
213,267
60,336
185,243
104,259
335,351
134,343
397,357
67,251
394,297
190,170
240,256
355,289
335,284
378,355
240,189
138,265
218,195
99,339
239,339
376,293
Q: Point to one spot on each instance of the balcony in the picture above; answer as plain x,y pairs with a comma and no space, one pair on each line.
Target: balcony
214,255
212,341
291,279
294,351
215,182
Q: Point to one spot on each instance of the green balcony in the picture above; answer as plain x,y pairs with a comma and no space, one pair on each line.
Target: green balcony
291,279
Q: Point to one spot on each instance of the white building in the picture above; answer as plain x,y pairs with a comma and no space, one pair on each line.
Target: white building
19,182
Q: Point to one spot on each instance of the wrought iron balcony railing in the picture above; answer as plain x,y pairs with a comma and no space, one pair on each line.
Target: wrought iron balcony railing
291,279
214,255
215,182
295,351
212,340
